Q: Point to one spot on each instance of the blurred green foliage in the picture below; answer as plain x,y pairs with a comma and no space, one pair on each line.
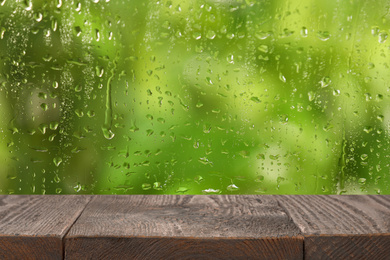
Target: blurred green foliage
194,97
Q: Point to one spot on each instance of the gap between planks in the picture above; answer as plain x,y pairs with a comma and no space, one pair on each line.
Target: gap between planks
91,197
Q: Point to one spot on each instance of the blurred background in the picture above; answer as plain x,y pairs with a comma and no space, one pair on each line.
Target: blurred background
194,97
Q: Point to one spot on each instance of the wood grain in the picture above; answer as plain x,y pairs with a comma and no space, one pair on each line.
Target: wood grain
342,227
32,227
172,227
184,248
188,227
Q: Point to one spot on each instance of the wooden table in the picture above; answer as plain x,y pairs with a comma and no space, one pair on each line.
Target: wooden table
188,227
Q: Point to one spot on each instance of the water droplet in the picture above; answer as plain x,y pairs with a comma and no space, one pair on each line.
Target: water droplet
28,4
208,80
323,35
149,132
283,118
282,78
79,112
54,125
210,191
42,95
199,104
54,25
380,118
370,65
157,185
59,3
325,81
367,129
230,36
232,187
206,128
146,186
99,71
286,33
197,35
279,180
91,113
198,179
51,138
368,96
11,177
78,88
205,161
362,181
375,30
107,133
364,157
57,161
382,37
327,127
311,95
304,32
44,106
78,31
260,156
255,99
230,58
77,187
244,154
260,178
261,190
43,128
2,32
97,35
261,35
57,179
263,48
181,189
210,35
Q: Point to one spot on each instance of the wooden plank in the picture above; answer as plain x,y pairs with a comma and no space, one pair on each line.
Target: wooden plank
32,227
169,226
342,227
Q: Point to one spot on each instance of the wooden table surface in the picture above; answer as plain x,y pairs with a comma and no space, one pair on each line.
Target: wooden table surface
194,227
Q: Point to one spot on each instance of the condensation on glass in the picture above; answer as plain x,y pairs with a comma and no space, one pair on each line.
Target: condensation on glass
194,97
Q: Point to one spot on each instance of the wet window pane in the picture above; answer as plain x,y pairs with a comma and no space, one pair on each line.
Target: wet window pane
194,97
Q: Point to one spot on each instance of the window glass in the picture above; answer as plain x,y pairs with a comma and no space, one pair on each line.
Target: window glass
194,97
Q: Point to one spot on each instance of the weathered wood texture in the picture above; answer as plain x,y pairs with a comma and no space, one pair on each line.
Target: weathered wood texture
33,227
183,227
342,227
203,227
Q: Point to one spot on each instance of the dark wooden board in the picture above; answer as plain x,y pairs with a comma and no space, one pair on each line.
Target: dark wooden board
183,248
204,227
342,227
169,226
32,227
